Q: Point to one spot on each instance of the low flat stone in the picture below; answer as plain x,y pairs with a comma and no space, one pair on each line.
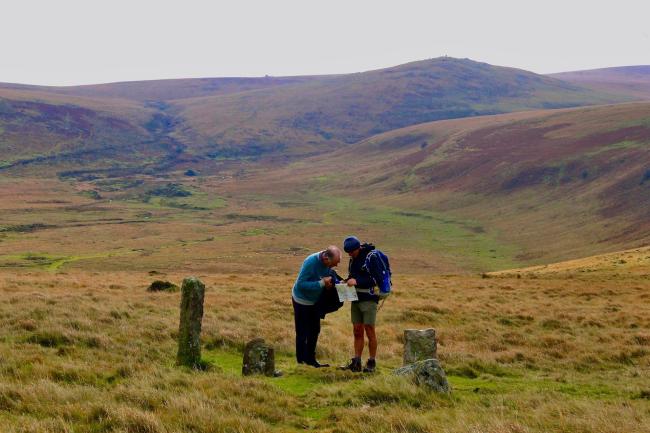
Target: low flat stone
259,358
427,373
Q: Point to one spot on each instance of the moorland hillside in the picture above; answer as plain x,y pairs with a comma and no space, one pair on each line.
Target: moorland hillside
104,189
626,80
251,117
561,184
481,192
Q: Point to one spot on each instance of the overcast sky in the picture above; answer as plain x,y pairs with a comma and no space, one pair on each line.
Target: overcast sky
67,42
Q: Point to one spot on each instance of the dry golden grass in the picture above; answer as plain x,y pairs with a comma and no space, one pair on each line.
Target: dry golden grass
93,351
635,261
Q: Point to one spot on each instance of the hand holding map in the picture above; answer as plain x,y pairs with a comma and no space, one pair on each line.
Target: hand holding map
346,293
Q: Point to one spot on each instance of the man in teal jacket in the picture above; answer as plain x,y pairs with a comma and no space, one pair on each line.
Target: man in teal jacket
314,277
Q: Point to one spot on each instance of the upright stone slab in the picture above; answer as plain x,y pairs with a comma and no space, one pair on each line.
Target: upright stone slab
427,373
419,344
189,330
259,358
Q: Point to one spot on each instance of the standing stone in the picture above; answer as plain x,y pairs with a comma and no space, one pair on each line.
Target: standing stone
259,358
189,330
419,345
427,373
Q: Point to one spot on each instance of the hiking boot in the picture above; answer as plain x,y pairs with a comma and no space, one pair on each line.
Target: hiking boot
371,365
354,365
317,364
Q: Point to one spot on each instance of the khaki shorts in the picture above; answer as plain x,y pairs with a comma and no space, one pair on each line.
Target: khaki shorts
364,312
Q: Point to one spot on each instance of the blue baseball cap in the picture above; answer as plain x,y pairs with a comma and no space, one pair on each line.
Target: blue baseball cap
351,243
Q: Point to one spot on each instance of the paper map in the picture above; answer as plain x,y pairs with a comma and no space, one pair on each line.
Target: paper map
346,293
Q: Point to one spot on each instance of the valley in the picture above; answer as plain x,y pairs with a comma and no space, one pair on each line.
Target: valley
515,209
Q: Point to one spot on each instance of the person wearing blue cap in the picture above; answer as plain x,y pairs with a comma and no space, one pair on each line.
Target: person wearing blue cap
364,311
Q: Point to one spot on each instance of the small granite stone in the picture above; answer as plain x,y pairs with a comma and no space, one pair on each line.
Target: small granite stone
259,358
419,345
427,373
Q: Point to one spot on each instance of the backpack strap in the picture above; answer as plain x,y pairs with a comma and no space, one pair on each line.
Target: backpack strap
368,261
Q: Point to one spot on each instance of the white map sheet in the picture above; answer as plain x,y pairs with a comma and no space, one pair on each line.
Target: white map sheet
346,293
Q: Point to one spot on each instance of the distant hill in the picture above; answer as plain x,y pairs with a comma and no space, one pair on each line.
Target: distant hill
633,81
338,110
217,118
164,90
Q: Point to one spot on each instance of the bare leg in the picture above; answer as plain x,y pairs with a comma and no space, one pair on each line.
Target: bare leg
358,339
372,340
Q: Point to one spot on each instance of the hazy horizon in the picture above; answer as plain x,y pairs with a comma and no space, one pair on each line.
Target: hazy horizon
76,43
283,76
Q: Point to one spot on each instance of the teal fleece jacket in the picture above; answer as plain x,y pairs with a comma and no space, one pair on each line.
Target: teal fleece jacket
308,286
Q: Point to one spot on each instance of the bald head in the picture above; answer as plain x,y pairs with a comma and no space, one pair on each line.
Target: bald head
331,256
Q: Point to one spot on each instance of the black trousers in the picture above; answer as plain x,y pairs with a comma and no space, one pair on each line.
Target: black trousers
307,320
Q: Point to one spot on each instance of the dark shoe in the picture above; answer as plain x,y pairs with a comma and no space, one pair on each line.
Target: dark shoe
317,364
354,365
370,367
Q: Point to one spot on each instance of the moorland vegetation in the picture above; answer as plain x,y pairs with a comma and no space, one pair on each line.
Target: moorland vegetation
107,191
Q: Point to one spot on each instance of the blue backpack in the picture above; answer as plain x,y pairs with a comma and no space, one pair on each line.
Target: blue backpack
378,266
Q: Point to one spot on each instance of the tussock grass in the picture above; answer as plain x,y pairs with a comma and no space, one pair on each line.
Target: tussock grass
95,352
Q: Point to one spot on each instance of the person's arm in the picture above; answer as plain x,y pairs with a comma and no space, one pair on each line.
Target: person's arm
308,281
307,284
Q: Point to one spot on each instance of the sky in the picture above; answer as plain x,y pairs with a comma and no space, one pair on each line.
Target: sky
68,42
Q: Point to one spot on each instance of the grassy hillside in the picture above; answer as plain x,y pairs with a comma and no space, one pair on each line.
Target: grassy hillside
557,184
633,81
634,262
475,194
32,131
479,194
225,118
49,133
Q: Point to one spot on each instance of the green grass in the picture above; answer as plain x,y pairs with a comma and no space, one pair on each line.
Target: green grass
197,201
459,240
51,262
325,393
465,387
623,145
303,382
295,381
260,231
